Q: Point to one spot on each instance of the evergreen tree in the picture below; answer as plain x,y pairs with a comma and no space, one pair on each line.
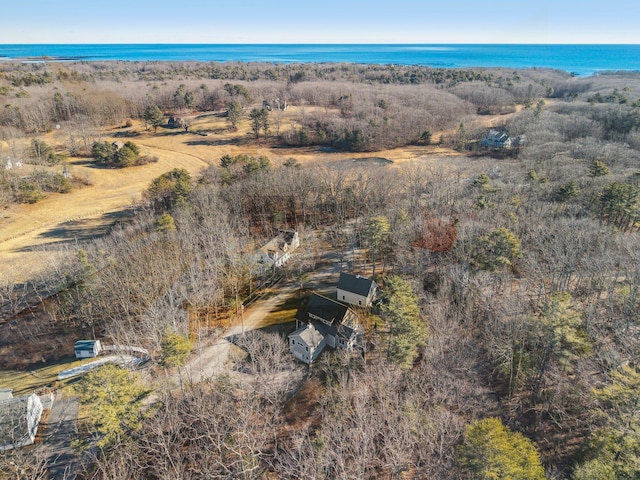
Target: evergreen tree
567,191
259,121
497,250
113,396
407,331
619,204
491,451
614,450
598,169
175,349
376,233
234,113
170,188
153,116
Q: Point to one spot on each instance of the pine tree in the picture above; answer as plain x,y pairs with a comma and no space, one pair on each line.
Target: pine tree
113,396
407,331
491,451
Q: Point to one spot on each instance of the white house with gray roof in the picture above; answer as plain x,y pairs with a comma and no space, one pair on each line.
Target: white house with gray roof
356,290
497,139
307,342
279,249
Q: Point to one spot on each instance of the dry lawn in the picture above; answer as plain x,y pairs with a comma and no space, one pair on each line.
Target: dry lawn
34,236
25,382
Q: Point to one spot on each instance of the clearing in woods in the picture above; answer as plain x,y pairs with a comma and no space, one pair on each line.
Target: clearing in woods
34,236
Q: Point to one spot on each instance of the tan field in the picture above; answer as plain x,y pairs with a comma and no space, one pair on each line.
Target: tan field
31,235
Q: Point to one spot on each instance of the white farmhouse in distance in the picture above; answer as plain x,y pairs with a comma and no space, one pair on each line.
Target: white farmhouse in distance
496,139
279,249
356,290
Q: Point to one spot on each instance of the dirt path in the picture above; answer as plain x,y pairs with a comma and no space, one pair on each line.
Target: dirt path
62,428
208,360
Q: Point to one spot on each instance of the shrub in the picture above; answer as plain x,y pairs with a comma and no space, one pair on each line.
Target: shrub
491,451
43,153
175,349
109,154
598,169
28,191
567,191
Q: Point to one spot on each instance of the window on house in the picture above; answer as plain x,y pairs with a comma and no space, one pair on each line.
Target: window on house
343,297
359,302
307,349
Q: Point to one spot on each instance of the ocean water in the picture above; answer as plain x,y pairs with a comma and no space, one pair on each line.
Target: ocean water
578,59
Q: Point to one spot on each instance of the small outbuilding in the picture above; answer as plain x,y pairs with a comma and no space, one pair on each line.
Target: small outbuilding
356,290
87,348
19,420
175,122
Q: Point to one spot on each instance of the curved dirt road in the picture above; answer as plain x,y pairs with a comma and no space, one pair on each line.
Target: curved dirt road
208,360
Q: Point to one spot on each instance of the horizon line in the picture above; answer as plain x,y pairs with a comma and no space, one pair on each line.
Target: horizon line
328,43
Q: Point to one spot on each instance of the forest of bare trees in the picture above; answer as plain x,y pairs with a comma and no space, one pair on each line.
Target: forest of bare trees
525,269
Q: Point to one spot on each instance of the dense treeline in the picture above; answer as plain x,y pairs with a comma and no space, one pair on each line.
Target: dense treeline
39,95
364,107
525,271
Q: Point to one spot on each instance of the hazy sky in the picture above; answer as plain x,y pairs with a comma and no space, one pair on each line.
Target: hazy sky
322,21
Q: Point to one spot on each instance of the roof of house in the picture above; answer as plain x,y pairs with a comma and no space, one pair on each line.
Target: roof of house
274,245
497,136
287,234
309,334
314,332
342,330
85,344
355,284
326,308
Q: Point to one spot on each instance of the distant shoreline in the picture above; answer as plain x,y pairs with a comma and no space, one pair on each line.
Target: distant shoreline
578,59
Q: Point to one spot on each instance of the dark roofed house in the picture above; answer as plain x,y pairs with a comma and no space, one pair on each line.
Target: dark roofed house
326,310
87,348
175,122
19,420
356,290
325,323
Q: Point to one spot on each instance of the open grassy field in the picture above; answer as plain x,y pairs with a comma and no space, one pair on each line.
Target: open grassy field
34,236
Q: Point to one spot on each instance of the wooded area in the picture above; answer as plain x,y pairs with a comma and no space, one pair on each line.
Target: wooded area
509,343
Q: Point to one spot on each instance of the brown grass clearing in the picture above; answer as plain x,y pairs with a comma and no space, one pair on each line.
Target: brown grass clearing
28,232
26,382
